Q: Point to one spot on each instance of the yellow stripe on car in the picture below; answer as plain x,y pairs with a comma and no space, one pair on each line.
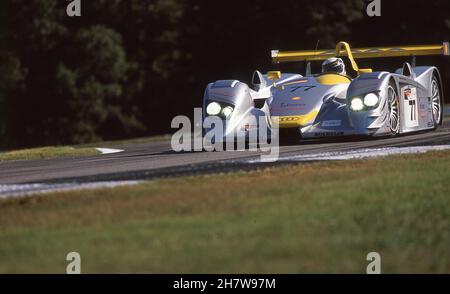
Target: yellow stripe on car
294,121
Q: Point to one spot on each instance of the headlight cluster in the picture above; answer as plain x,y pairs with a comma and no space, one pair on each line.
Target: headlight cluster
214,108
369,101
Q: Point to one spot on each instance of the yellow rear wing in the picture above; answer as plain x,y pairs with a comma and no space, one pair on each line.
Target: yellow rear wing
343,49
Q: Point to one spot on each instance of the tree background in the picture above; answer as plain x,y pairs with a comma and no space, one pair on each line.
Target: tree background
125,68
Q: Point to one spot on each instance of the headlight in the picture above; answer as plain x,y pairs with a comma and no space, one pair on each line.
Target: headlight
356,104
213,108
227,111
371,100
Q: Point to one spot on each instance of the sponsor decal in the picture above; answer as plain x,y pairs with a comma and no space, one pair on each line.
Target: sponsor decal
407,94
288,106
423,110
331,123
289,118
294,105
221,94
328,134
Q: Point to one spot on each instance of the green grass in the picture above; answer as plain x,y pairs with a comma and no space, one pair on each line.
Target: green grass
313,218
75,151
46,152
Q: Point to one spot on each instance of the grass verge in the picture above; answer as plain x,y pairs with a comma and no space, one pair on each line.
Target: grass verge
311,218
46,152
79,150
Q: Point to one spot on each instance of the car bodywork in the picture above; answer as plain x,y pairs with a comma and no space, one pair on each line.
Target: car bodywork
324,105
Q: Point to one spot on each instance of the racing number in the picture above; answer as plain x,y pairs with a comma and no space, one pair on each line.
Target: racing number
413,106
306,88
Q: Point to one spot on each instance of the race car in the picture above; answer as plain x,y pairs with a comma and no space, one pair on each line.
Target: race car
332,103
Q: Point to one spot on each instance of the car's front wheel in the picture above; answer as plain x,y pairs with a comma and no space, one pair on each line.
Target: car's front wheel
436,101
394,110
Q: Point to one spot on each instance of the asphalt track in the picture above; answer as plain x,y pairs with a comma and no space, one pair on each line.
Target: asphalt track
157,160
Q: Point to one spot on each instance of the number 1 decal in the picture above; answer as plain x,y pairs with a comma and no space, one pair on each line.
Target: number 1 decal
413,106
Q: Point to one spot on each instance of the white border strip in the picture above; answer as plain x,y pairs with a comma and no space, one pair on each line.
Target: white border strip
108,150
361,153
18,190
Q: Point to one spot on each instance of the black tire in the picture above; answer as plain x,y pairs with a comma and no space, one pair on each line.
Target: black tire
436,101
393,101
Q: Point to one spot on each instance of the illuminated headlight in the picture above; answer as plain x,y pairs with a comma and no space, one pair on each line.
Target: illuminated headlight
227,111
213,108
356,104
371,100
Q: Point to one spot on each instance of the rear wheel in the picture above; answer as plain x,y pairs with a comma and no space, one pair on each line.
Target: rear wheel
436,101
394,110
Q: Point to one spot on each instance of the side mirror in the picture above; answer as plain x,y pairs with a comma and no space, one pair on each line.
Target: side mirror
258,81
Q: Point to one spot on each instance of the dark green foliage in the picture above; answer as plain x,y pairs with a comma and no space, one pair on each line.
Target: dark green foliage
126,67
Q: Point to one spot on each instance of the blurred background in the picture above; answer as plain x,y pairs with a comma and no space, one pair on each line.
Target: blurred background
125,68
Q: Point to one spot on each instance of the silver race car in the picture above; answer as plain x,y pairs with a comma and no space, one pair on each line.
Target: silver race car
331,103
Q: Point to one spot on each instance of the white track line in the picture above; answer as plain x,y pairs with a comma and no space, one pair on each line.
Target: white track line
108,150
361,153
18,190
